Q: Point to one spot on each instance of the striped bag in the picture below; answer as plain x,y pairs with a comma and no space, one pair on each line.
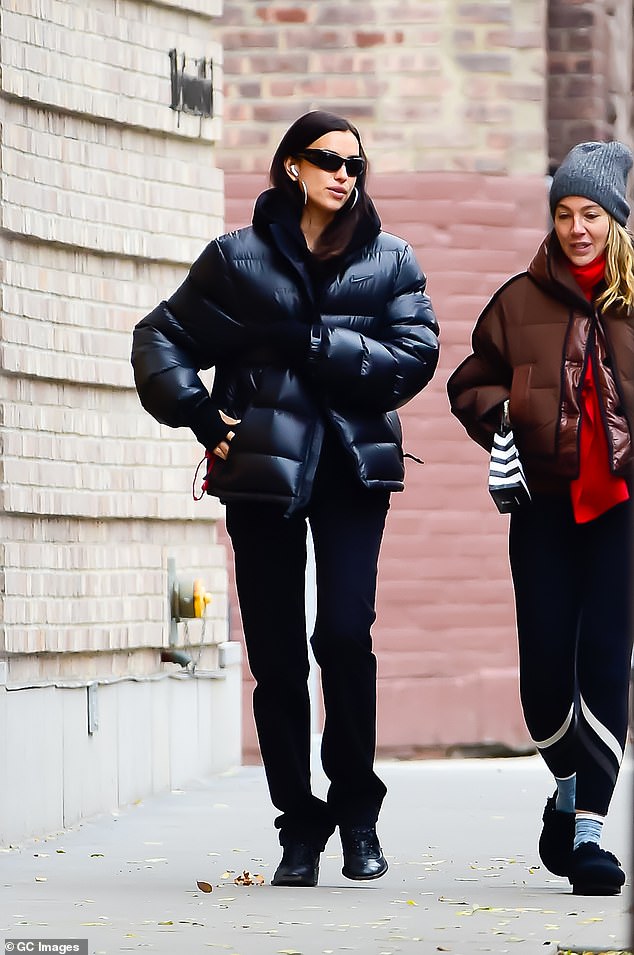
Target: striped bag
507,484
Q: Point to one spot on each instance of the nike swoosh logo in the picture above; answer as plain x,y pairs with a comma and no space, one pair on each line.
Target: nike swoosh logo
359,278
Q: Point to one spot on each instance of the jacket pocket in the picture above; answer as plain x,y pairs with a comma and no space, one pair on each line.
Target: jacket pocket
267,456
520,400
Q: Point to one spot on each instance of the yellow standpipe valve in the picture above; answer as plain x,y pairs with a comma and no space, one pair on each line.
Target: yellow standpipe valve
202,598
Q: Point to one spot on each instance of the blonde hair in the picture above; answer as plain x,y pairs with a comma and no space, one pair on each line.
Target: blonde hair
619,268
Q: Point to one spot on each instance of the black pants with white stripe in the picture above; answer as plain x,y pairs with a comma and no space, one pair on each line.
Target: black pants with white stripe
573,588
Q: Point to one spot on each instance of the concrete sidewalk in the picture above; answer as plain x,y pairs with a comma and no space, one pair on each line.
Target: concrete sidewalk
464,877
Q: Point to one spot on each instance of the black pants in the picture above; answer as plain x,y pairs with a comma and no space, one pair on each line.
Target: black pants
347,522
572,591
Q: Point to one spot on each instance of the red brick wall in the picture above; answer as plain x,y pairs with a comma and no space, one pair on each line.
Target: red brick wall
445,634
432,85
450,101
589,73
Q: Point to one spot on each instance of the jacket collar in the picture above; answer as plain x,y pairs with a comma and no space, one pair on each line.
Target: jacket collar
549,269
273,208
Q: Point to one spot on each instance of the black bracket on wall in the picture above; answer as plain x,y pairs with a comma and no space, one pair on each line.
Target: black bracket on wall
191,93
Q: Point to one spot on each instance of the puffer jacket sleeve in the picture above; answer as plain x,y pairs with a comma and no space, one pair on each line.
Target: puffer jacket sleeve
179,337
381,371
482,382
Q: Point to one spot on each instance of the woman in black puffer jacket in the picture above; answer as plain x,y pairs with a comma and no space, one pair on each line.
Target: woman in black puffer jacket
318,327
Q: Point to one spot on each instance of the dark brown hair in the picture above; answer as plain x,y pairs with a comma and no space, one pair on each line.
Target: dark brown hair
337,235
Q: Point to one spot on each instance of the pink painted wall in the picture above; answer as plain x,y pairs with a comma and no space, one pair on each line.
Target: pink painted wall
444,636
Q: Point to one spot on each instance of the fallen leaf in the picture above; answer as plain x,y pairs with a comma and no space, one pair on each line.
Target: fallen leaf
205,886
247,879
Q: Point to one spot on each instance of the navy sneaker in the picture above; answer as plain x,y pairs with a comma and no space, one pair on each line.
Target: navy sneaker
595,871
556,839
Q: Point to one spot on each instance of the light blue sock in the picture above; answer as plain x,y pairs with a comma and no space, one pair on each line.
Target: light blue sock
566,788
587,829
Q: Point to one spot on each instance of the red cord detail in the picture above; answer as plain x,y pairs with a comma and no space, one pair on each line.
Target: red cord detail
211,459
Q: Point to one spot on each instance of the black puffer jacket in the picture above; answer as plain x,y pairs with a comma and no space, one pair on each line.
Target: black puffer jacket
367,343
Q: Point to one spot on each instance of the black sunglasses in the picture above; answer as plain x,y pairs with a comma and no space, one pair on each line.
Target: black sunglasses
332,162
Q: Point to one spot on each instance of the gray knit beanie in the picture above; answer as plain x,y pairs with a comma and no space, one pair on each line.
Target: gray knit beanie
597,171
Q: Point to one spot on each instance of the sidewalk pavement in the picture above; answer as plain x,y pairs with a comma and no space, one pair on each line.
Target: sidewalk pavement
460,837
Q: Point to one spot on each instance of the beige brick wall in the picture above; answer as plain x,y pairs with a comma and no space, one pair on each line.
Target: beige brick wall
108,195
121,193
106,60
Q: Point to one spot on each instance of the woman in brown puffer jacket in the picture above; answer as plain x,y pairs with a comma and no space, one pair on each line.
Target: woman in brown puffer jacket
557,341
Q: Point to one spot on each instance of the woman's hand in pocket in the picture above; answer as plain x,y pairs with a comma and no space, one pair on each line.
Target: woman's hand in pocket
222,449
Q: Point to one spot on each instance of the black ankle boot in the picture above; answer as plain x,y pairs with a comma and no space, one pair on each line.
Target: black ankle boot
557,837
595,871
362,855
299,865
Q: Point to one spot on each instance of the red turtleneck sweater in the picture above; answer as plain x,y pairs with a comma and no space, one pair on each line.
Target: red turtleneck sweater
596,489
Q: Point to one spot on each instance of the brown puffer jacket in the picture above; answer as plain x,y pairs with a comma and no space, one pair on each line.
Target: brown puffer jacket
532,344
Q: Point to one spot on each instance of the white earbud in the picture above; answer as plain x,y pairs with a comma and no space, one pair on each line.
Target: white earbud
294,171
